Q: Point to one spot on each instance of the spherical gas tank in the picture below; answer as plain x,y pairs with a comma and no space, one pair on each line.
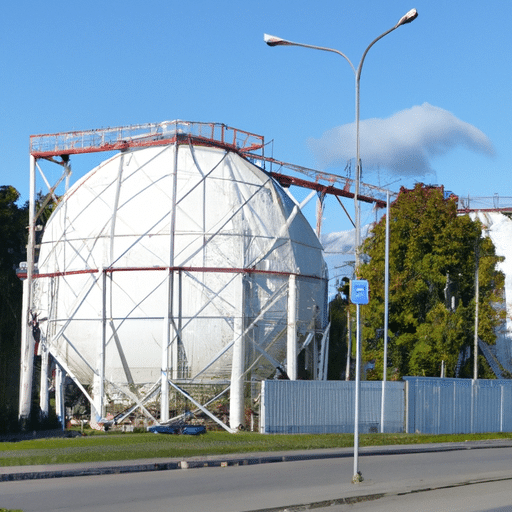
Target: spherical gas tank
165,256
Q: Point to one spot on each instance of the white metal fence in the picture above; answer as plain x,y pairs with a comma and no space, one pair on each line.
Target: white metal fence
446,406
418,404
324,407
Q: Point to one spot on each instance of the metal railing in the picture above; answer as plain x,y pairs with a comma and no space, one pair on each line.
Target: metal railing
141,135
485,204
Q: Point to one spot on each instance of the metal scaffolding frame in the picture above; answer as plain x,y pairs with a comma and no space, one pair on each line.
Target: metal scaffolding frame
58,148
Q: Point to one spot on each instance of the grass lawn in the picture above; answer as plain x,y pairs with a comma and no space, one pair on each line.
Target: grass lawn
132,446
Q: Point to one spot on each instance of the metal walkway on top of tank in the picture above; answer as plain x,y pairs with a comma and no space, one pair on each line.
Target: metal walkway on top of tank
141,135
250,145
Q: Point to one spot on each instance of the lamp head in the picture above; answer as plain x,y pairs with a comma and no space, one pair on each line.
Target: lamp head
273,40
408,18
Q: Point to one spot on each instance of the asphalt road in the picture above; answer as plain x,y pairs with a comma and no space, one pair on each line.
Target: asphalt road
481,497
471,479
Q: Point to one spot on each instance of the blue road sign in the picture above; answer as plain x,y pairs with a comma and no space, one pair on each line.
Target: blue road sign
359,291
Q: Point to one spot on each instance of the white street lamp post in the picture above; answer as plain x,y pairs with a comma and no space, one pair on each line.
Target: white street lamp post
277,41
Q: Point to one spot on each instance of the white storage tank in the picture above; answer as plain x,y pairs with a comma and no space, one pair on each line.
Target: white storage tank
164,259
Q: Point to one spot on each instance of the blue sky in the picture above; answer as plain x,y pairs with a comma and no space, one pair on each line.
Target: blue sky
435,94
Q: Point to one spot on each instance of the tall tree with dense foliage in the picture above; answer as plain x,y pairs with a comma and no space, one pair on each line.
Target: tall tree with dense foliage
13,242
13,239
432,262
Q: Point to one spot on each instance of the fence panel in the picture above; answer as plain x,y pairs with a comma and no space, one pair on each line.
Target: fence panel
461,406
453,406
294,407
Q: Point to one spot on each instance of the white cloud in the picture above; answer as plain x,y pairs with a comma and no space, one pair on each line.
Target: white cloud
403,144
342,242
338,243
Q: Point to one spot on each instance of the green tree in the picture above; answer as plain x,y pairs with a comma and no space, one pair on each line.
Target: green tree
432,263
13,239
338,309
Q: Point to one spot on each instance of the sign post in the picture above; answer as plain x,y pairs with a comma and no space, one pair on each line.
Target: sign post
359,294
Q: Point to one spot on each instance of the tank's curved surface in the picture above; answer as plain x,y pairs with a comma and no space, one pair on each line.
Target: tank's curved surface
172,245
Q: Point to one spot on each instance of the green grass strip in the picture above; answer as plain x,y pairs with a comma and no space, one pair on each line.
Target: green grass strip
115,446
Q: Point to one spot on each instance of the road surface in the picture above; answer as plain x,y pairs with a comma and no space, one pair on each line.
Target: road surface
468,478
